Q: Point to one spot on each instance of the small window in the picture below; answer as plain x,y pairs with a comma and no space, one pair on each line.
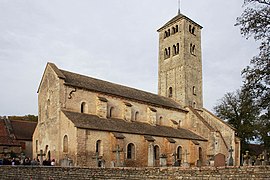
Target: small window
174,50
159,122
179,153
130,151
192,48
200,154
189,28
84,107
156,152
169,32
98,147
136,116
65,144
176,28
110,112
36,145
170,92
194,90
177,48
193,31
173,30
165,53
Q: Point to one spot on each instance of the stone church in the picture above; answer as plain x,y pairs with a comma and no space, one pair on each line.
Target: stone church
90,122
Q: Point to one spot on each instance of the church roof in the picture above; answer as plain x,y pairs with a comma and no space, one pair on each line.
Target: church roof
97,85
88,121
177,17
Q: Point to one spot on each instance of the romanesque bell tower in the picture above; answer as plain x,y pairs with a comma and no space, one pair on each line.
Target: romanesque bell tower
180,61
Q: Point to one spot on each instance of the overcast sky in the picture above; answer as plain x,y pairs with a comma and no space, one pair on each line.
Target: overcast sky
114,41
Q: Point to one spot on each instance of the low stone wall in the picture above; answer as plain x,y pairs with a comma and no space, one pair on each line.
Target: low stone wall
78,173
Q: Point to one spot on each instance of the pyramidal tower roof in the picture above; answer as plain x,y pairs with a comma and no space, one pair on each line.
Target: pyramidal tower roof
176,18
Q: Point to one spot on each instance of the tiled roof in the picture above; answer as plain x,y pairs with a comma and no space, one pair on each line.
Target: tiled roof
97,85
5,139
87,121
23,130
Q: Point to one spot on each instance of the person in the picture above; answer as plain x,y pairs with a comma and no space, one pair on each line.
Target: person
34,162
53,162
13,162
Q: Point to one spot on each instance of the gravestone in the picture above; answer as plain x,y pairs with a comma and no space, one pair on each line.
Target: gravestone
163,161
246,159
185,163
219,160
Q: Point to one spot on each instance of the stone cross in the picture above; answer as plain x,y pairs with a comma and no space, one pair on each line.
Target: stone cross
41,154
231,156
117,151
186,154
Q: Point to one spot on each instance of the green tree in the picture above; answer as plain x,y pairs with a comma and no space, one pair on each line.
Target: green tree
239,110
255,22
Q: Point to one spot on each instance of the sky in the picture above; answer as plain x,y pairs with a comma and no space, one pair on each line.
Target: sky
114,41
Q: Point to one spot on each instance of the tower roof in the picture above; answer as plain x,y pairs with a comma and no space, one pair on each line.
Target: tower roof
176,18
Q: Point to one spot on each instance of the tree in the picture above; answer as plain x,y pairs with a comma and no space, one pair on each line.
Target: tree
255,22
239,110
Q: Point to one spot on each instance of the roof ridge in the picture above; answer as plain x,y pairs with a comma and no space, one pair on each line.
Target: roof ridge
219,119
89,121
84,81
21,120
202,119
105,81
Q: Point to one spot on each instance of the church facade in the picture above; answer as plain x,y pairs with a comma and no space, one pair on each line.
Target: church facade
90,122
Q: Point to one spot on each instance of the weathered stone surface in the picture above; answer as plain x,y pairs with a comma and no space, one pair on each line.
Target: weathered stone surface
75,173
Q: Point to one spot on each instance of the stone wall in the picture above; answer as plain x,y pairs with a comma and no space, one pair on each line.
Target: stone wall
36,172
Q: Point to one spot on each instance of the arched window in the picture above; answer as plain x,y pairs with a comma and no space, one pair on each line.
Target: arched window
170,92
83,107
200,154
156,152
177,48
98,147
136,116
179,153
110,112
165,53
174,50
159,122
189,29
46,148
193,49
65,144
169,32
165,34
194,90
176,28
130,151
193,30
169,52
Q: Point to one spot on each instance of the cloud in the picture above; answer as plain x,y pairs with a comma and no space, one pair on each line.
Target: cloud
111,40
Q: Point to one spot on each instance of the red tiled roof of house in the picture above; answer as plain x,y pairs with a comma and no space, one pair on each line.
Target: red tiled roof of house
23,130
5,139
